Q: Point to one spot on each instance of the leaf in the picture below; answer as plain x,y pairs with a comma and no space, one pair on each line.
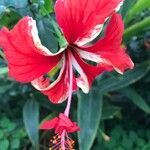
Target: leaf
2,9
49,117
129,77
137,8
3,70
89,114
49,6
136,99
31,121
2,134
126,6
109,111
14,3
9,18
136,28
15,143
46,34
4,88
4,144
48,105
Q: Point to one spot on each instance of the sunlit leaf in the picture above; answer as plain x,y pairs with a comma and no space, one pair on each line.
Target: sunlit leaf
137,8
9,18
47,8
137,28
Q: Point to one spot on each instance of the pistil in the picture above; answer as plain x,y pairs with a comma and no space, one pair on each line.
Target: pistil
67,110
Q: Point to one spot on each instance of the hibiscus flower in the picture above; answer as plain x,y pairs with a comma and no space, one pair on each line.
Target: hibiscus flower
80,21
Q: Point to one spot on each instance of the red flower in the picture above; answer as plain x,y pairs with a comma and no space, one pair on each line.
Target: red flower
60,124
80,22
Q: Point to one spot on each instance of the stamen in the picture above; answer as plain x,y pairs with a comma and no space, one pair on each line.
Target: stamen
55,143
64,142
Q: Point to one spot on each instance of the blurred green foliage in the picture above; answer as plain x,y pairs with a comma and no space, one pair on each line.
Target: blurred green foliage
11,136
119,108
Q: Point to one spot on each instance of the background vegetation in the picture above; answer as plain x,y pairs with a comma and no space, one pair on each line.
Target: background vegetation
118,106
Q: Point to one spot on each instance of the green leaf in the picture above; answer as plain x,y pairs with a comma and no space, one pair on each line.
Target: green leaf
11,126
137,8
1,133
126,6
5,123
3,70
136,99
48,7
2,9
89,114
109,111
4,88
31,121
136,28
9,18
15,143
4,144
129,77
14,3
46,34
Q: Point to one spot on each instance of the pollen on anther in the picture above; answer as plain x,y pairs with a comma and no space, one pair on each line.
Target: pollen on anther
55,143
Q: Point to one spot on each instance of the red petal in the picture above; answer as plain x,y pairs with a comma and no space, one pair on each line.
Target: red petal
81,19
109,48
66,124
27,58
73,128
58,90
63,124
64,120
47,125
87,72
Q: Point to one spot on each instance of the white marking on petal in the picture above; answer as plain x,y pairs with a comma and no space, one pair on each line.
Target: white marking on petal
118,70
97,58
90,36
36,84
119,6
37,41
90,56
83,84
